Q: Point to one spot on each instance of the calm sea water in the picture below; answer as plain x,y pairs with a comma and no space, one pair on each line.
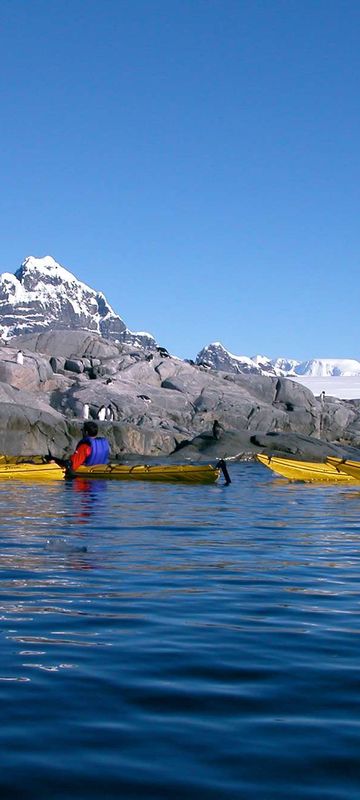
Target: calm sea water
162,641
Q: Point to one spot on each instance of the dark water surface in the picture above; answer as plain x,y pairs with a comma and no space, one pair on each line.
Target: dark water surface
162,641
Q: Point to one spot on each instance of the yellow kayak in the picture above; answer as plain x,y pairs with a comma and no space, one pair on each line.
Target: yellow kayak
187,473
309,471
12,470
35,469
345,467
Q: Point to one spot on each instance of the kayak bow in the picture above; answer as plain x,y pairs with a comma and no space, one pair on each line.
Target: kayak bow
309,471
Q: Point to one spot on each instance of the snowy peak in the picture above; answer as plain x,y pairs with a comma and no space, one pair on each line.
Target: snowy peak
215,356
47,267
36,273
42,294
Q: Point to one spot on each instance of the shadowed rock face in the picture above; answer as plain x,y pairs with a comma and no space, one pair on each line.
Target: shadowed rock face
158,406
237,445
28,425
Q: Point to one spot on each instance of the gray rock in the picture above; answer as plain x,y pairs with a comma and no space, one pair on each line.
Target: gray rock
237,445
33,370
26,430
335,418
57,363
106,369
69,344
291,393
74,366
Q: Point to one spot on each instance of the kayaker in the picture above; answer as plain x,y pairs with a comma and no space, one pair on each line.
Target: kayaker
92,449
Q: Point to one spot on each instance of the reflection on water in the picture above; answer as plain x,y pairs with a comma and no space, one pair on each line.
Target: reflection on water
166,641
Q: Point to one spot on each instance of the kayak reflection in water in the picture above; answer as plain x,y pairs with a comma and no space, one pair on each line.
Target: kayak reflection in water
91,449
90,496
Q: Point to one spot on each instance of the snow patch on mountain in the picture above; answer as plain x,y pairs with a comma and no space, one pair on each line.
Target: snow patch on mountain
284,366
328,367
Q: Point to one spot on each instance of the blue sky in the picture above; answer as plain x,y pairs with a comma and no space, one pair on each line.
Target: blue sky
196,160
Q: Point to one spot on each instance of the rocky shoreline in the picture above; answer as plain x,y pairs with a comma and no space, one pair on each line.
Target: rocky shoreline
152,405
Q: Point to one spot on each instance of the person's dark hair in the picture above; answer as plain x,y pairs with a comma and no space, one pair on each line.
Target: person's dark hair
90,428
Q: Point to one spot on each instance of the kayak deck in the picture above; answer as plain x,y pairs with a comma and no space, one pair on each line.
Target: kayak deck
187,473
309,471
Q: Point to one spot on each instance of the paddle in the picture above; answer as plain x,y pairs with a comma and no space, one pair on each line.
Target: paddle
222,465
64,463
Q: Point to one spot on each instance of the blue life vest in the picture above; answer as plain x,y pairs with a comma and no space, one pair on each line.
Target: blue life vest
100,450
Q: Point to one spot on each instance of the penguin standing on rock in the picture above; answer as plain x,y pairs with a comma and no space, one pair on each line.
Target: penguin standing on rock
102,413
217,429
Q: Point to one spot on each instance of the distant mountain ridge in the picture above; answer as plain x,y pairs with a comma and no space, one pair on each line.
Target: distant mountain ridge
216,357
43,295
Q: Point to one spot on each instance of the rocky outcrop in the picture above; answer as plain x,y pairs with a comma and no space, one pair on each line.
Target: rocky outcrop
24,370
152,404
28,426
238,445
68,344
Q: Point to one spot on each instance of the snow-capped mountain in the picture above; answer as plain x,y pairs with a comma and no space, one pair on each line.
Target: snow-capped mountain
216,357
42,294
